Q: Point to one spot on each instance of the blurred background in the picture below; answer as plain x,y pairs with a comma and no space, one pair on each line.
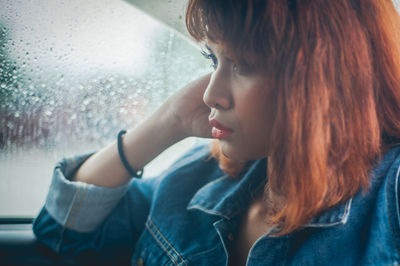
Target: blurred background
72,74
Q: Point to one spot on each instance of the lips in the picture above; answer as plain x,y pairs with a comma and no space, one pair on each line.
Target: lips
218,130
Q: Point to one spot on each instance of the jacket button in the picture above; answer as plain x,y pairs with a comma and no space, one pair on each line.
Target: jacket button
140,262
231,237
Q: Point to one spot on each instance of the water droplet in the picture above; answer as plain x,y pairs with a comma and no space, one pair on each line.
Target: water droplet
86,101
10,124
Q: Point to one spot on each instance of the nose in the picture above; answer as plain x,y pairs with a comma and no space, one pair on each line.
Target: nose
218,93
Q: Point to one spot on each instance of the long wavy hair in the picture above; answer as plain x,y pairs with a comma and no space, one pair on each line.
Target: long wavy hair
334,71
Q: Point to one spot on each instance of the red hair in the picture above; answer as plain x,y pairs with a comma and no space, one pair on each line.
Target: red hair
334,68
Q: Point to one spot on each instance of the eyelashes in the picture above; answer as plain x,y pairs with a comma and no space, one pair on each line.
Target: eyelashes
211,57
240,69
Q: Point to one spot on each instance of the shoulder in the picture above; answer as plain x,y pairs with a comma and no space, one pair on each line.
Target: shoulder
391,192
382,201
191,171
199,154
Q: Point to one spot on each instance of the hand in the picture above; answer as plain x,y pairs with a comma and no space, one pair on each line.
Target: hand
189,111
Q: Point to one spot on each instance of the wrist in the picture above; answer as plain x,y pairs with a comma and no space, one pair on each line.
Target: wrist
150,138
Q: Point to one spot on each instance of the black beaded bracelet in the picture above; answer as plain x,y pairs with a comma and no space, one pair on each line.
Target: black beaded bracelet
124,161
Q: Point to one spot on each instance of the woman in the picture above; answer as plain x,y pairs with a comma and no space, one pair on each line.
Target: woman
303,103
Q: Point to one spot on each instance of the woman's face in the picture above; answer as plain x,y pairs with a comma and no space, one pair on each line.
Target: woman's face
240,111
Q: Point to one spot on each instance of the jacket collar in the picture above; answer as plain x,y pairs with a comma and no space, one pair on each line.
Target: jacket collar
237,193
336,215
340,213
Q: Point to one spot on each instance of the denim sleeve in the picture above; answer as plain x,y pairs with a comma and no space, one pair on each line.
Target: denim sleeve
76,205
87,221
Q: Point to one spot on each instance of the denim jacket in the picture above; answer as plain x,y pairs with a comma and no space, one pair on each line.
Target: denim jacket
190,216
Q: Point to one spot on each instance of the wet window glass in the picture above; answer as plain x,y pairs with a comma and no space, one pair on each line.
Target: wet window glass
72,74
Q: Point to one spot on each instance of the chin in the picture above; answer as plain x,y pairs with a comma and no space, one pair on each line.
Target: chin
240,154
233,153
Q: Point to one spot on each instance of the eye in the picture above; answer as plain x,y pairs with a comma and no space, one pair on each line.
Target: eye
239,69
242,69
212,57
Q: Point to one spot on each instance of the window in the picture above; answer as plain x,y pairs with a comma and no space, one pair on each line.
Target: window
72,74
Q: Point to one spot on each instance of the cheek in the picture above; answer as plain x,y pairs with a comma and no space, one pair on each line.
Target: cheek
255,119
254,110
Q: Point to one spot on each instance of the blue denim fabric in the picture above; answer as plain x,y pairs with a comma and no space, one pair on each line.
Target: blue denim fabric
184,217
